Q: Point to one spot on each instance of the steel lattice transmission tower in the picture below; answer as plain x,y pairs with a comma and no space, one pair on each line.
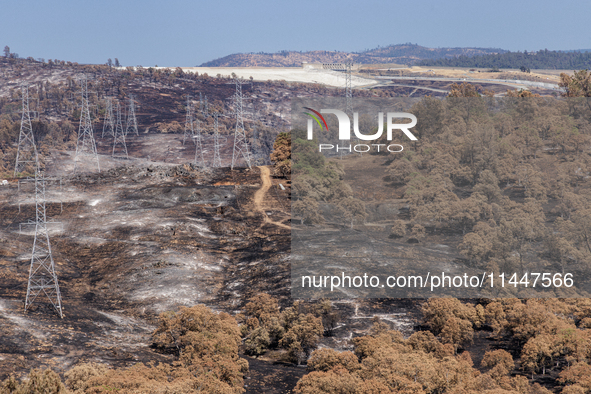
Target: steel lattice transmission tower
203,107
119,136
42,276
131,119
36,111
109,122
86,142
254,145
189,123
257,145
118,124
26,155
217,160
240,144
197,138
348,90
348,97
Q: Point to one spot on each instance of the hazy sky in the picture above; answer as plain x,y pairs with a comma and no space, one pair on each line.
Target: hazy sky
188,33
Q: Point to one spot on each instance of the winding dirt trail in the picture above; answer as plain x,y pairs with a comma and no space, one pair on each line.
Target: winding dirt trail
260,195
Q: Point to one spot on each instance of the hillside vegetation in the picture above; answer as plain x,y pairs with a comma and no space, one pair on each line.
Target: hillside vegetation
543,59
402,54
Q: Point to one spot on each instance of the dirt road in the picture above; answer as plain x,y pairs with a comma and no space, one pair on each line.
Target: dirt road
259,196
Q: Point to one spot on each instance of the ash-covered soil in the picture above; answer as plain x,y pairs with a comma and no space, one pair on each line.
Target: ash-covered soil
133,242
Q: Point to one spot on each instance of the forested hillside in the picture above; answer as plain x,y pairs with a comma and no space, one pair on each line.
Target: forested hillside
543,59
401,54
509,179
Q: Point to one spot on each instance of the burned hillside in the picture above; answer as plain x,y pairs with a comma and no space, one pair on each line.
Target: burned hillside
152,233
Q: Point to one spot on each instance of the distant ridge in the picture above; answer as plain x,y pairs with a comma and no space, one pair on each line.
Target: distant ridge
544,59
401,54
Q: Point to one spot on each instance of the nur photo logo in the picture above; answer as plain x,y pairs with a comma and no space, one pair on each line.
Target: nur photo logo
344,130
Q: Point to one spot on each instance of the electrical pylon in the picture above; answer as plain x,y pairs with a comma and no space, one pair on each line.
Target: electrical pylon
203,107
36,111
189,124
131,119
118,124
348,98
109,122
217,160
42,276
348,90
240,144
86,142
197,138
256,145
119,136
26,154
